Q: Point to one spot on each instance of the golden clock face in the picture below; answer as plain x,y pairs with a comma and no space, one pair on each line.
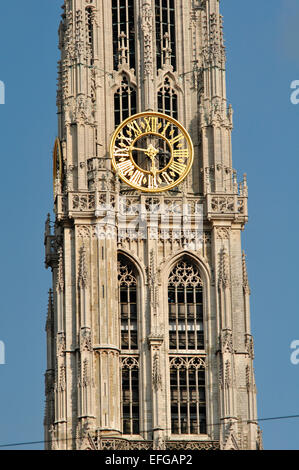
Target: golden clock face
151,152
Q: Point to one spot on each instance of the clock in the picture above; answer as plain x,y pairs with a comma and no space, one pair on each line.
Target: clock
151,152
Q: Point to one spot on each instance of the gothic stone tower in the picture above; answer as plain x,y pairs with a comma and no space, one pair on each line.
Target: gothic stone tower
148,331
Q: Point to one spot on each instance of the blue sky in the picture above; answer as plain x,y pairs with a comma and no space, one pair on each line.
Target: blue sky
262,40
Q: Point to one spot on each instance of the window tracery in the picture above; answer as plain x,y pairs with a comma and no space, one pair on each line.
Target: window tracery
185,304
168,99
125,104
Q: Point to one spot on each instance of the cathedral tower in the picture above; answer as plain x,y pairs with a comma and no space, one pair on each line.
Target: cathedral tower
148,329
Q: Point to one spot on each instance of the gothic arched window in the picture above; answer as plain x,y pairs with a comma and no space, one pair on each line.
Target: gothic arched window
185,307
165,33
123,23
168,100
128,311
124,101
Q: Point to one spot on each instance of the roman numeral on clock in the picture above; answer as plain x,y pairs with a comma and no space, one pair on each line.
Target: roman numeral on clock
125,167
151,124
137,178
165,177
182,153
176,139
152,182
134,127
165,129
178,167
120,152
124,138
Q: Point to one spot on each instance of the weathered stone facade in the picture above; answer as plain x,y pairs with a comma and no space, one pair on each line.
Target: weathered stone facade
85,358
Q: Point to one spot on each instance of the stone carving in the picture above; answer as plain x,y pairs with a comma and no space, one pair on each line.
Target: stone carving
220,376
195,362
62,379
86,374
227,375
84,231
214,49
129,362
125,276
160,443
223,233
246,286
193,445
85,340
54,441
224,276
259,438
185,274
82,274
60,344
147,28
83,202
248,378
249,346
226,341
123,444
60,272
79,371
157,379
85,439
241,206
152,282
50,313
222,204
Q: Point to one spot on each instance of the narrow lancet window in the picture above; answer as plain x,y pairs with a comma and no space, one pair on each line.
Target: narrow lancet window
127,306
124,101
165,33
168,100
128,311
123,19
130,395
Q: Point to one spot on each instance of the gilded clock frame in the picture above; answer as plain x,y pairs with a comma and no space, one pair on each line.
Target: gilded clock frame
171,120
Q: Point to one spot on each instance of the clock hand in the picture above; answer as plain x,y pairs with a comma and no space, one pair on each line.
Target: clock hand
150,152
136,148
